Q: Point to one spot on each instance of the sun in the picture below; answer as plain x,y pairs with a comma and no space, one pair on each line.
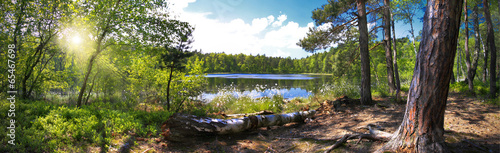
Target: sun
76,40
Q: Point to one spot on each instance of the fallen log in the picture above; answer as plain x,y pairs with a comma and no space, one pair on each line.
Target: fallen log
181,126
264,112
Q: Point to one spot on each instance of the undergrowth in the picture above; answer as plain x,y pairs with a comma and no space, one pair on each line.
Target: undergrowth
45,127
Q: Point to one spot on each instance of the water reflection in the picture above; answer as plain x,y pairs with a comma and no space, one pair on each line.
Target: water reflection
262,85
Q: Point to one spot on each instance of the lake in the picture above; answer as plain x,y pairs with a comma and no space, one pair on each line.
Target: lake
262,85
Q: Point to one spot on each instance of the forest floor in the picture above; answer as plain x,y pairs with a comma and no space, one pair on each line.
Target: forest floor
470,125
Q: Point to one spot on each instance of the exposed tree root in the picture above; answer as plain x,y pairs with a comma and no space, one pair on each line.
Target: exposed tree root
375,135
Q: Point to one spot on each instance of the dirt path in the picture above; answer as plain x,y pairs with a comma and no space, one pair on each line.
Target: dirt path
470,125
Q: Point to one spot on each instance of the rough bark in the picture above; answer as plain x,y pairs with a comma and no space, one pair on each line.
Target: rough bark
180,126
422,127
387,45
492,48
366,96
398,82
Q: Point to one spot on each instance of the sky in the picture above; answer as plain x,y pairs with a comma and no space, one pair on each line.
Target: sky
264,27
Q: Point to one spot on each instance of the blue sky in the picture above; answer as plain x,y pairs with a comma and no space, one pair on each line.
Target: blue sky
269,27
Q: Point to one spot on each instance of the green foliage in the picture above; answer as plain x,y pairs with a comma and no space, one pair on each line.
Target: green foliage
42,127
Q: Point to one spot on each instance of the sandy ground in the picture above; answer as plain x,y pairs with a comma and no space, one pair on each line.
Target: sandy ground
470,126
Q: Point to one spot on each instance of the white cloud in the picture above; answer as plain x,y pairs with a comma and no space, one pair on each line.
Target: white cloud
263,35
280,21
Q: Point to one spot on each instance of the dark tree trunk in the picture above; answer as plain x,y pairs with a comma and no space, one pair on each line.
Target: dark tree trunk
84,84
366,95
91,87
398,83
168,87
387,44
492,48
452,79
422,127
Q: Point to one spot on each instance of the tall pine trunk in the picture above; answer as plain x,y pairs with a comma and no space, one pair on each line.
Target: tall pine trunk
422,127
398,82
387,44
492,48
366,95
470,79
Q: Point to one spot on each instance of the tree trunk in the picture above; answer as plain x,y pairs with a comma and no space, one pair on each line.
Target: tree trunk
180,126
485,58
84,84
492,48
452,79
473,68
459,64
39,74
375,73
91,87
398,82
470,79
168,87
387,44
366,95
412,32
422,127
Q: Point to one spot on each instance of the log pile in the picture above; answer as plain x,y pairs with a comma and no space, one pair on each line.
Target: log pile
181,126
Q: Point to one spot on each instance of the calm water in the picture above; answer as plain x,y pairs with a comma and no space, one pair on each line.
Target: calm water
263,85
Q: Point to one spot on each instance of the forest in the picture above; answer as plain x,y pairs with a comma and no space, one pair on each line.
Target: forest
123,75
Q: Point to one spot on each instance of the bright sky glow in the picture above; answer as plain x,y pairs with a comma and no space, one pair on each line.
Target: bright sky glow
253,26
76,40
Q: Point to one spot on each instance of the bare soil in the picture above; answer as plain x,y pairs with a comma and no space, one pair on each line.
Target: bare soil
470,125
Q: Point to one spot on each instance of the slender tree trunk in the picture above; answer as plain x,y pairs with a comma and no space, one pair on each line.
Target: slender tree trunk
422,127
39,74
375,71
492,48
458,66
29,70
470,79
452,80
412,32
485,58
91,87
387,44
168,87
475,57
84,85
366,95
398,83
